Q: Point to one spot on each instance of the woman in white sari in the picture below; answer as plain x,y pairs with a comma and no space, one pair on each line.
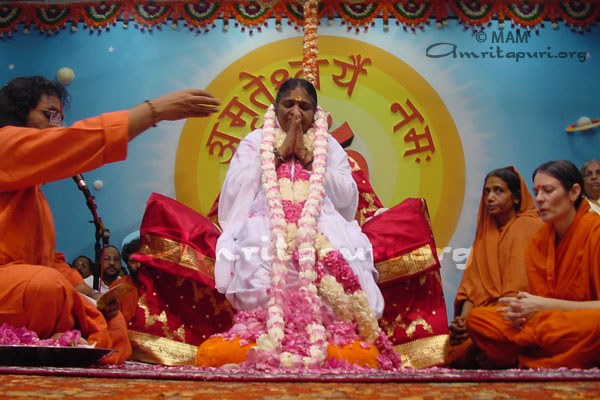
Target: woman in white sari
243,266
291,259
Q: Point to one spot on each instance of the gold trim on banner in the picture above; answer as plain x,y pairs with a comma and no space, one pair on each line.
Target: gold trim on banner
157,350
178,253
215,220
409,329
405,265
162,317
371,207
353,164
423,353
425,212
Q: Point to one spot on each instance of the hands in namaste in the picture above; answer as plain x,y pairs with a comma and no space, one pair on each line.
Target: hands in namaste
293,145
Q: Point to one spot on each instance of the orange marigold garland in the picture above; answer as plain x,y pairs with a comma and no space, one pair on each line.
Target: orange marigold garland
252,15
310,48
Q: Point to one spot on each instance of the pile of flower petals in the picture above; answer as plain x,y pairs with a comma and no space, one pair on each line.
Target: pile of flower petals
249,325
12,336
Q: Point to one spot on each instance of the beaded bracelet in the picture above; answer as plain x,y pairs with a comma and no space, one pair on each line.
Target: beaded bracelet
153,111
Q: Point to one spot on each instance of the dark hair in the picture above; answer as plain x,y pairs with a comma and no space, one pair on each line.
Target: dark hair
512,181
130,248
118,251
567,174
21,95
114,247
293,83
93,267
87,258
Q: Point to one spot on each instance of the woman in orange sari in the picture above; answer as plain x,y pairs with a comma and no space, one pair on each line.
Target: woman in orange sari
557,322
506,222
38,290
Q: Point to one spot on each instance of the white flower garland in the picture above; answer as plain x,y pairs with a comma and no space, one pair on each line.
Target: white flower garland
304,235
307,239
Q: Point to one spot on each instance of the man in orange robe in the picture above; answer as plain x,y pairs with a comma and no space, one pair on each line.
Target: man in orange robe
38,290
568,270
496,267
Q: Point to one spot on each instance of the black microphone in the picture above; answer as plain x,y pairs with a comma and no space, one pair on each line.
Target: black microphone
82,186
79,181
101,232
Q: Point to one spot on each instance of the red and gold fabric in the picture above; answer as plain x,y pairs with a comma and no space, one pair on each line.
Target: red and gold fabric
178,307
404,252
368,202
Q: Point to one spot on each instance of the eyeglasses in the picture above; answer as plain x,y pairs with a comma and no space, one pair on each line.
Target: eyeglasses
54,116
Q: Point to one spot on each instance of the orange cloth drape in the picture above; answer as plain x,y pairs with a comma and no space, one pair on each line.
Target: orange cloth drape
37,297
216,352
568,270
128,302
72,275
36,289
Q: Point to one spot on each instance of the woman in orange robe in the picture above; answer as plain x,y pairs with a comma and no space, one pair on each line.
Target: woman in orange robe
557,322
38,290
507,220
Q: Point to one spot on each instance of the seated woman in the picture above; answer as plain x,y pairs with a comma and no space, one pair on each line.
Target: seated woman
557,322
178,252
291,259
506,222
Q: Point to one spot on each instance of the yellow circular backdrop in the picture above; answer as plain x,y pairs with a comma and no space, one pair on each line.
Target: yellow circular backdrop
400,125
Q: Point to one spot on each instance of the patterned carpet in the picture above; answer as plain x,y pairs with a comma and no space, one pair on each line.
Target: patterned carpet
143,381
54,387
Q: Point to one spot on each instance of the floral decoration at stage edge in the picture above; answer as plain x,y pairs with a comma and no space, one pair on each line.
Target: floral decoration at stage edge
201,16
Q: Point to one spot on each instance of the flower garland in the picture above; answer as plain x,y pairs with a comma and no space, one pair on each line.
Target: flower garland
310,49
304,240
294,198
202,16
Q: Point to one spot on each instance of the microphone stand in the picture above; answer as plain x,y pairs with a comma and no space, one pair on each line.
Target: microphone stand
102,233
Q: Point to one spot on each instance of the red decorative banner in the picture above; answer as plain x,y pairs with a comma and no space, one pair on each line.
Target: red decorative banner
253,15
